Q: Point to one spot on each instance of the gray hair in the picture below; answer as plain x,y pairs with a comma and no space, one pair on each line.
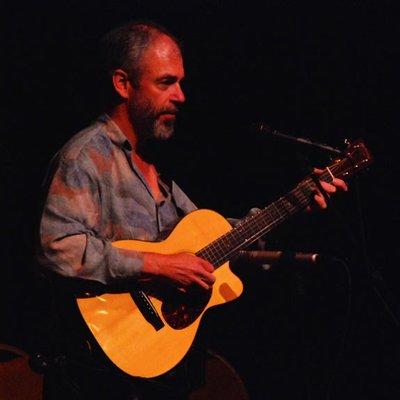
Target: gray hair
123,47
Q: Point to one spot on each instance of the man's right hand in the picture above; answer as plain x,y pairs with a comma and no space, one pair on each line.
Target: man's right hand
183,269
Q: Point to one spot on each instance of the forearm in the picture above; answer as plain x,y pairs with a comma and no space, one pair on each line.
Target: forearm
88,257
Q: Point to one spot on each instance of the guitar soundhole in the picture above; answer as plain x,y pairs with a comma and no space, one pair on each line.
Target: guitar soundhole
181,310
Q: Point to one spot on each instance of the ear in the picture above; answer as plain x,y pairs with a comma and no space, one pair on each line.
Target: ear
121,83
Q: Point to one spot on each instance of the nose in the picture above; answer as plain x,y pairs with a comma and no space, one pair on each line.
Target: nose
178,96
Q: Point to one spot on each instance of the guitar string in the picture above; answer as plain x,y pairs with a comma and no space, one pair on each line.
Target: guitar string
239,232
299,195
235,236
256,220
225,242
246,228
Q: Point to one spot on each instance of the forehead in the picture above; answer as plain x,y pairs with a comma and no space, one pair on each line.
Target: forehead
163,56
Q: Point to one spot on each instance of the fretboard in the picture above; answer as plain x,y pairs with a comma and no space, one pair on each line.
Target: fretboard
252,228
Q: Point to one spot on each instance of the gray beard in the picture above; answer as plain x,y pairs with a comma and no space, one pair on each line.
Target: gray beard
147,124
162,131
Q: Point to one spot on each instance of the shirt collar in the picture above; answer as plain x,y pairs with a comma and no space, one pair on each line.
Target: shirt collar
114,132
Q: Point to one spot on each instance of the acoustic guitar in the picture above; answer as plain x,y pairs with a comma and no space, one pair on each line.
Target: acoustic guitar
147,333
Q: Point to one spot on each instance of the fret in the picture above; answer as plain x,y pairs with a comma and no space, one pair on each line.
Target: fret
257,225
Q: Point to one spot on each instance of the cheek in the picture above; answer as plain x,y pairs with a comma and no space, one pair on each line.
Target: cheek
148,97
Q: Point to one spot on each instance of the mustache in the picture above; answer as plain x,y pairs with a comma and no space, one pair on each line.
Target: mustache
171,110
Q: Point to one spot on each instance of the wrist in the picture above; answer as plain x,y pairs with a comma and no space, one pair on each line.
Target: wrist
151,264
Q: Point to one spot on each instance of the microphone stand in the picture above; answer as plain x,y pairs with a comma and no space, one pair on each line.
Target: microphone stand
374,277
371,277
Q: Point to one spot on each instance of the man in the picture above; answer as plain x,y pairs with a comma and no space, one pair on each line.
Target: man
103,187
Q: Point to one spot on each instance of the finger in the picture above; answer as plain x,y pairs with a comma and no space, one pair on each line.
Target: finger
207,277
207,266
318,171
201,283
320,200
327,187
340,184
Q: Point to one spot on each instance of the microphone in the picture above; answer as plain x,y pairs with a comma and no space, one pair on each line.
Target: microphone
282,257
262,127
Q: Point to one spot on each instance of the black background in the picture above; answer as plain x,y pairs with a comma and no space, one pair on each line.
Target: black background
327,71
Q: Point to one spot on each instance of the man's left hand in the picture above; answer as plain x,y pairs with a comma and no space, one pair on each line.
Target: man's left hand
329,188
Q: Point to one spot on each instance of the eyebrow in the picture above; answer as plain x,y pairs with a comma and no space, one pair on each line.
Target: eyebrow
168,76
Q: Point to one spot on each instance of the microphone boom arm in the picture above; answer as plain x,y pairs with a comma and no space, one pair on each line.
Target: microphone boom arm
264,128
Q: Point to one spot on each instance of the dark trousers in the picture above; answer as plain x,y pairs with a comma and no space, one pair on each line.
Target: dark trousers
75,381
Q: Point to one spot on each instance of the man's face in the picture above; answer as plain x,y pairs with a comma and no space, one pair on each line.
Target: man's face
154,104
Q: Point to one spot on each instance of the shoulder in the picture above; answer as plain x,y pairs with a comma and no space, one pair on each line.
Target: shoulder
86,155
93,140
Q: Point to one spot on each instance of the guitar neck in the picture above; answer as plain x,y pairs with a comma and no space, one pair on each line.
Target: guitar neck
250,229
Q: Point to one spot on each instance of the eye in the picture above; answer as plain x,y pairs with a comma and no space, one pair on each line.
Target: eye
166,81
169,81
163,85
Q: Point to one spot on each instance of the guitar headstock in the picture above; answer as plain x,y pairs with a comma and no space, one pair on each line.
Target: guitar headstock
356,157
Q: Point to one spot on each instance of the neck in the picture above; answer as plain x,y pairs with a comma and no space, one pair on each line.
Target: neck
119,115
147,150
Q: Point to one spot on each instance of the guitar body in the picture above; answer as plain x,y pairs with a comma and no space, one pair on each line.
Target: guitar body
128,339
